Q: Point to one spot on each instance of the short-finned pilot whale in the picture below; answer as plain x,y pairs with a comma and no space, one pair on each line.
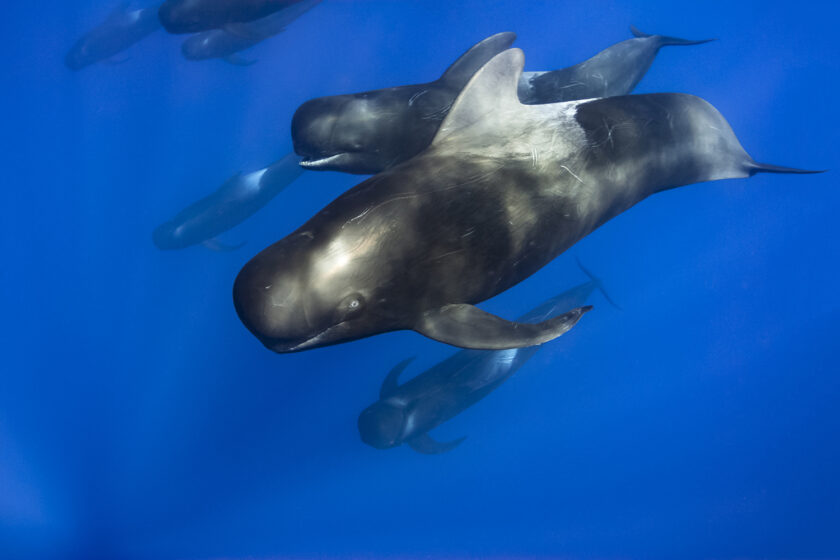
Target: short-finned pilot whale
236,200
119,31
194,16
503,189
219,43
406,413
371,131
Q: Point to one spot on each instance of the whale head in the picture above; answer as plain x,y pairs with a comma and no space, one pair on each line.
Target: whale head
382,424
79,56
169,236
361,133
198,46
309,290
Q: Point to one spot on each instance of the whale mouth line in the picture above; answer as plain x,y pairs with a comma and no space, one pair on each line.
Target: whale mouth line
306,343
319,163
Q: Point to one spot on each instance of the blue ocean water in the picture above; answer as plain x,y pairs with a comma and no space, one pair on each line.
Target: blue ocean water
140,419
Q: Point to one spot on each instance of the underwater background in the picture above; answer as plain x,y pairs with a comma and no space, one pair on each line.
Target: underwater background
140,419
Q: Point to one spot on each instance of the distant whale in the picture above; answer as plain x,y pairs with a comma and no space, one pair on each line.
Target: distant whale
235,201
119,31
503,189
219,43
193,16
406,413
372,131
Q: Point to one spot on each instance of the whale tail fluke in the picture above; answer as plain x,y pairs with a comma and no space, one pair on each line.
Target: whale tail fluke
756,167
599,284
668,41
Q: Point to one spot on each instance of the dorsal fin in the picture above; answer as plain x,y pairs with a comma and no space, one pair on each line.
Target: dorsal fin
457,75
491,89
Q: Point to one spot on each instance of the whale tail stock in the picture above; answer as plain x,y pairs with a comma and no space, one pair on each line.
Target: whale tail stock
599,284
754,167
666,41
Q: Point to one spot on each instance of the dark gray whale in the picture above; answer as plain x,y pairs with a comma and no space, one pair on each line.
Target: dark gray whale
371,131
503,189
240,197
119,31
193,16
406,413
219,43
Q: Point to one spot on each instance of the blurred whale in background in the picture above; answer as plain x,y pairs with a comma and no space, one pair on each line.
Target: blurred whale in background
406,413
193,16
235,201
219,43
371,131
503,189
122,29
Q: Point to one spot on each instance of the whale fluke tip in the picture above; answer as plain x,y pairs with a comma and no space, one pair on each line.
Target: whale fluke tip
667,41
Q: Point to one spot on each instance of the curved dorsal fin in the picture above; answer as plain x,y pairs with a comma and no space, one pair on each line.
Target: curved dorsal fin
457,75
493,88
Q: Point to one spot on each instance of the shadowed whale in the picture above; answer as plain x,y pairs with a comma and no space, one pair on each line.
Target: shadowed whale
219,43
406,413
371,131
193,16
503,189
119,31
235,201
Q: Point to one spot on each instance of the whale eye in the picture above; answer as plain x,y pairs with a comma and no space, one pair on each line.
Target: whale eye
351,306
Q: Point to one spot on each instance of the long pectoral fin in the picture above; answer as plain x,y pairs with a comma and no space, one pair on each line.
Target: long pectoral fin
392,380
426,445
468,326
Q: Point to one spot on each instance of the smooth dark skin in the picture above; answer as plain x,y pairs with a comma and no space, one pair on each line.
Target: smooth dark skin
369,132
406,413
235,201
119,31
193,16
503,189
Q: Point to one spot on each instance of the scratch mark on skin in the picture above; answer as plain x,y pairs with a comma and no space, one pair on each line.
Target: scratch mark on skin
573,175
416,96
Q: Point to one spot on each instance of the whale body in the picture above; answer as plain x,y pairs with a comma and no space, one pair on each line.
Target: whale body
236,200
503,189
372,131
404,414
122,29
220,43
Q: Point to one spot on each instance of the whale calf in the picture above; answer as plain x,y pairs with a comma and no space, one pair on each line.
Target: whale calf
502,190
119,31
371,131
236,200
219,43
406,413
193,16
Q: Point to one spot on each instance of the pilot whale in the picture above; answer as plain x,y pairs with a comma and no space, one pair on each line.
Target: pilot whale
193,16
406,413
219,43
237,199
503,189
119,31
371,131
